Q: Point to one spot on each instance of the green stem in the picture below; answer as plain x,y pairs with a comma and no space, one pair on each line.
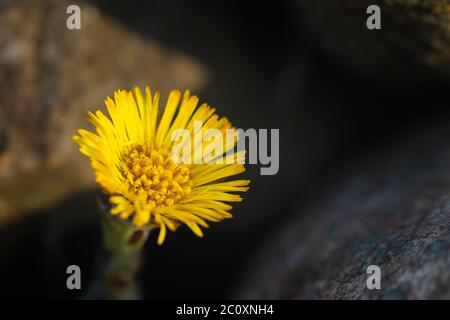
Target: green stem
124,242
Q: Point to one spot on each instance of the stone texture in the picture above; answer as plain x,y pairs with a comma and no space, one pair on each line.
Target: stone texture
393,211
50,77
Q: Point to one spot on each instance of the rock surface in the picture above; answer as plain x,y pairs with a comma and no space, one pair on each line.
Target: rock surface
411,49
393,212
49,77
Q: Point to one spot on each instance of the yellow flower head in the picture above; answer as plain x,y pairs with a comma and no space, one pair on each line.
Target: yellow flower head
131,154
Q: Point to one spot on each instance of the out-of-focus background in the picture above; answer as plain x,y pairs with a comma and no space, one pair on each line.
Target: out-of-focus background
364,145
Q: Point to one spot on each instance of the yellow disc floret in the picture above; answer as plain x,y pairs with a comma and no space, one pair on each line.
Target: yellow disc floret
153,172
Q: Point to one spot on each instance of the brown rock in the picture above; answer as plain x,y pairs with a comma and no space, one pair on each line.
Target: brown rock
49,77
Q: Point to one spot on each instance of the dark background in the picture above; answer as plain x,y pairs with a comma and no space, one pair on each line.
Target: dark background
268,67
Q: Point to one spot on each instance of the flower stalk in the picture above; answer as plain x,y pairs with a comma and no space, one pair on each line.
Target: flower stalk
123,242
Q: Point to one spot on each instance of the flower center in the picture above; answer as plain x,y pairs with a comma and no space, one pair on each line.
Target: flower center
154,177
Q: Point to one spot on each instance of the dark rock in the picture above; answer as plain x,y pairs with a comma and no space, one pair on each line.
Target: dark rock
393,212
411,49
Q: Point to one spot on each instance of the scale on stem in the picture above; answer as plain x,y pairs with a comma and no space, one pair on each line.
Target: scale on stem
123,242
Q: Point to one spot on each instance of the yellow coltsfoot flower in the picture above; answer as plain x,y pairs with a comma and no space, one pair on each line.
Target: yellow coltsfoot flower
131,153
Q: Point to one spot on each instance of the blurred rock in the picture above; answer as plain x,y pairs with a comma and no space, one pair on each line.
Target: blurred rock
393,211
411,49
49,77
